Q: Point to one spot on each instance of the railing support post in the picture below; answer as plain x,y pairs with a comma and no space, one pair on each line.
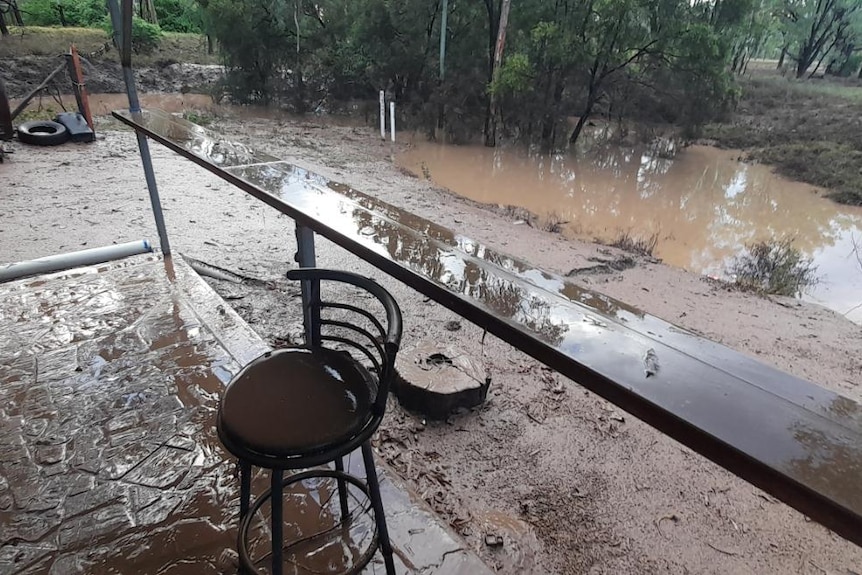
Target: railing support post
305,257
122,25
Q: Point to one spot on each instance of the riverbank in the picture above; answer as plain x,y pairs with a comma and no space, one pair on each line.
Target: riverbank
570,483
181,63
810,130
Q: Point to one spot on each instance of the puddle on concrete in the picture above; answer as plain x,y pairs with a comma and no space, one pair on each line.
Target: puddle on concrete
510,542
704,205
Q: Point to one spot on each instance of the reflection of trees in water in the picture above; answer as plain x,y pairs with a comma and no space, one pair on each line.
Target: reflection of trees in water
714,206
510,300
197,140
703,203
831,464
273,179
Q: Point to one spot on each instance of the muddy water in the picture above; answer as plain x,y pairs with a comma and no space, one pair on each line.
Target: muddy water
704,205
104,104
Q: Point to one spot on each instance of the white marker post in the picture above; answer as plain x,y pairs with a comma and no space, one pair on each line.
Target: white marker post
392,119
382,115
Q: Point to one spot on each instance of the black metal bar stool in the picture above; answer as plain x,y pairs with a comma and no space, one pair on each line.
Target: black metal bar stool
308,406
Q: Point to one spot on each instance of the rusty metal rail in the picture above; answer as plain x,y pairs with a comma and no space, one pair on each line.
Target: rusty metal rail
793,439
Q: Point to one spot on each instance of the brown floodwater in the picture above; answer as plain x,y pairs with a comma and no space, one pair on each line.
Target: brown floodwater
704,205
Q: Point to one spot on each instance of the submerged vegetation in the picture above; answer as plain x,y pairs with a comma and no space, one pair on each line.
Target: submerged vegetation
774,267
635,245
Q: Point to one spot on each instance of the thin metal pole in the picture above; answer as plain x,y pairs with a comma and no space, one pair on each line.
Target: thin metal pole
122,25
382,115
305,257
444,24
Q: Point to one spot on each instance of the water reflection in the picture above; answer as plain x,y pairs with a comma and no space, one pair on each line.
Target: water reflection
472,269
704,205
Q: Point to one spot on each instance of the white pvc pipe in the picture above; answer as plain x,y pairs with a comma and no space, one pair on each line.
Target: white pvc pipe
392,119
382,115
59,262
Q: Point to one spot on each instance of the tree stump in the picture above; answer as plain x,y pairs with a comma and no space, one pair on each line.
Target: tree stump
435,379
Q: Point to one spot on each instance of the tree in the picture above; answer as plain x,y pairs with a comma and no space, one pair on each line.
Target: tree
563,58
815,28
9,7
580,54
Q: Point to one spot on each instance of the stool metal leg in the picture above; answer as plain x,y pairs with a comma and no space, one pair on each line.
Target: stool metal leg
244,488
377,503
342,489
277,503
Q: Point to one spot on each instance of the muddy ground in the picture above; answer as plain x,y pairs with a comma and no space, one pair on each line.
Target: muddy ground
572,484
810,130
23,74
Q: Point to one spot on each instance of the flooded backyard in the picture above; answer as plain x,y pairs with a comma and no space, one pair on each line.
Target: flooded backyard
703,206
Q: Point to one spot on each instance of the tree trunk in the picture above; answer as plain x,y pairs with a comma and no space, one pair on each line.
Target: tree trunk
148,12
781,58
16,14
62,15
549,123
491,132
802,65
4,31
210,48
299,95
493,22
585,115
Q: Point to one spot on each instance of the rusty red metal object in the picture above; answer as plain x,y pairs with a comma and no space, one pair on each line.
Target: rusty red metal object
80,87
792,438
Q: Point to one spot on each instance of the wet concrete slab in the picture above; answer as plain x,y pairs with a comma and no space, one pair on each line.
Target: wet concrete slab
109,462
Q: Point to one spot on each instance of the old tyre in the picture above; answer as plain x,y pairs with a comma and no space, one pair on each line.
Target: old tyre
42,133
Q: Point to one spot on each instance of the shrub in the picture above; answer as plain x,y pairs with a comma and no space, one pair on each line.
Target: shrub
640,246
178,15
774,267
145,36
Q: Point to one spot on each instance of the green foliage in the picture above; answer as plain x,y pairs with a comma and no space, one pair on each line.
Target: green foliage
199,118
516,75
774,267
81,13
666,59
145,36
173,15
179,15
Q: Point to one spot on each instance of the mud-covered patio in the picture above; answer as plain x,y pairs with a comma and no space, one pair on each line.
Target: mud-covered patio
109,461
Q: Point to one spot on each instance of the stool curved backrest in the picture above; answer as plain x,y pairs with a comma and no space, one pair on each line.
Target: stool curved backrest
379,348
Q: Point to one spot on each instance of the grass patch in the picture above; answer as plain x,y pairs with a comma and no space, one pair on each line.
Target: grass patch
832,165
640,246
95,43
773,267
40,113
551,222
199,118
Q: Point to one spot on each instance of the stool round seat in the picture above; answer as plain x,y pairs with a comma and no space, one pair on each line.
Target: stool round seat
295,402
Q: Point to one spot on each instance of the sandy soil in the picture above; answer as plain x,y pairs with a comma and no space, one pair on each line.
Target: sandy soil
572,484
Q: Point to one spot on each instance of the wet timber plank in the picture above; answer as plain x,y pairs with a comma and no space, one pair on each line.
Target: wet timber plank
792,438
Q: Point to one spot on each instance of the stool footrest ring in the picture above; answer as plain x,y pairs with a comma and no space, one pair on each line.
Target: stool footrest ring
246,563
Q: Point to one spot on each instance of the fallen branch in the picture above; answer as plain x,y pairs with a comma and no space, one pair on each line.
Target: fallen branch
725,551
38,89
